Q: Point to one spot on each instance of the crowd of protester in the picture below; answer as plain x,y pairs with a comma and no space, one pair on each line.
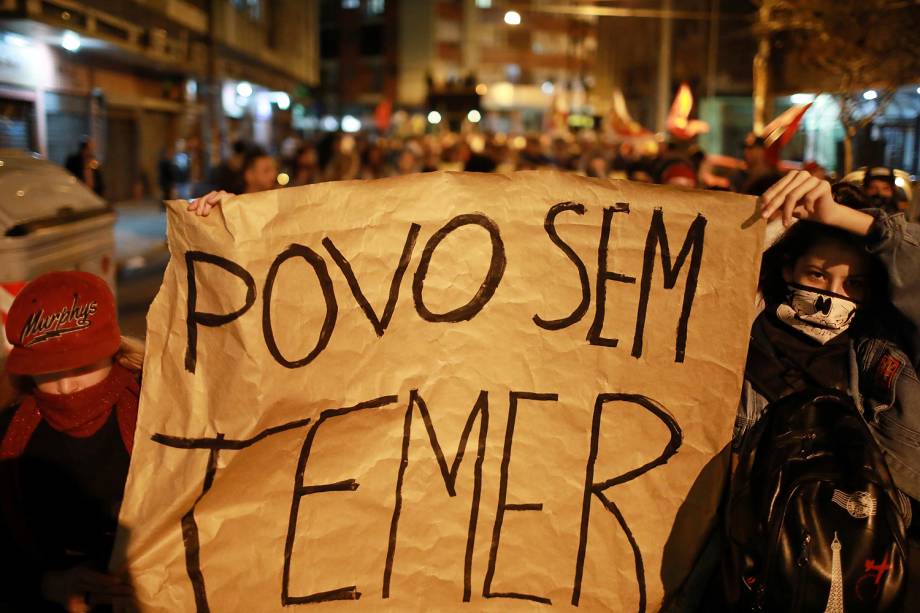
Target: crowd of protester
343,156
839,326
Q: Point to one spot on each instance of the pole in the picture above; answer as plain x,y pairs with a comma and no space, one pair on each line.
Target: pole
762,66
664,66
712,59
215,138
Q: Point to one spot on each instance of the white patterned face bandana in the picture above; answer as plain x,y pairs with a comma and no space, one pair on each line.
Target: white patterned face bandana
819,314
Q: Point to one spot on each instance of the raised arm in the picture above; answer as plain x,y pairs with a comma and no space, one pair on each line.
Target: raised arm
799,195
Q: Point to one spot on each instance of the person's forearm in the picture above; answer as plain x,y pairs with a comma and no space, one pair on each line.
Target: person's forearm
851,220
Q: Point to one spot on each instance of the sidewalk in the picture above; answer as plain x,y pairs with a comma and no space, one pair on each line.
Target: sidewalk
141,257
140,235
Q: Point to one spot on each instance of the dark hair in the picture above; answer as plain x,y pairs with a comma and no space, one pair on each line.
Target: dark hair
639,166
252,155
851,195
796,242
879,173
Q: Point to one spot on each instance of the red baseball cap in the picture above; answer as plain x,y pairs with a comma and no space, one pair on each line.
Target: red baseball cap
59,321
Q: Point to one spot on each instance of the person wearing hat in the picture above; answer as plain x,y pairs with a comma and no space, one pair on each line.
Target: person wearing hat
879,185
65,445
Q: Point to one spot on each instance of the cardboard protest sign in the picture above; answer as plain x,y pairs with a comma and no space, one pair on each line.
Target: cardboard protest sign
439,392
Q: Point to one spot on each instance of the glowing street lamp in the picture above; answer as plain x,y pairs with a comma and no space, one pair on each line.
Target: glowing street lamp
434,118
513,18
474,116
351,124
70,41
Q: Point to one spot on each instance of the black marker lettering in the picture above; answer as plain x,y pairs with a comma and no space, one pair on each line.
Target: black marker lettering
300,490
194,317
503,498
380,324
658,235
190,540
603,276
489,284
480,409
549,224
325,283
599,488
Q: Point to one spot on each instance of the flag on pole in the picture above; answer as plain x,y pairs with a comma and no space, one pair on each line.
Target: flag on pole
780,131
679,123
621,121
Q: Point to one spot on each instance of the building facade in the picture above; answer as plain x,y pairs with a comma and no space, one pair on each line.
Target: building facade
145,78
454,56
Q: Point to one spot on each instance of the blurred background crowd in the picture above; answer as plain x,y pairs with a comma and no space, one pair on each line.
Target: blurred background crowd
343,156
145,100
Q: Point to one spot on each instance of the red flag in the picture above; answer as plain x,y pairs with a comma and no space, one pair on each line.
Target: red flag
383,113
679,123
780,131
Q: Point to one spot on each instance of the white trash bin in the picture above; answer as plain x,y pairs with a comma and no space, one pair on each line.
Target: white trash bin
50,221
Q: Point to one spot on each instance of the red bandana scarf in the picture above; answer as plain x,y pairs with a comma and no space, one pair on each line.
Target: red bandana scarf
80,414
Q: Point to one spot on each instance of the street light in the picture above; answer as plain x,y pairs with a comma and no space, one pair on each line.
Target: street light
351,124
870,94
282,100
513,18
434,118
801,98
329,123
474,116
70,41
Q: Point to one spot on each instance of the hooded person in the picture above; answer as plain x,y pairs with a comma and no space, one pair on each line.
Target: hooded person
65,444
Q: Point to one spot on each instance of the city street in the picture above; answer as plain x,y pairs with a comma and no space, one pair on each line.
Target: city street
141,256
506,304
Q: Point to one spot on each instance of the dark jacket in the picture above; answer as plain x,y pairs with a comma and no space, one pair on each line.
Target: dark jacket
76,164
59,506
884,356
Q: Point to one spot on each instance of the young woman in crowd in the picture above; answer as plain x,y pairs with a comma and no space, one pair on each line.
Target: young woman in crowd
842,295
65,445
841,290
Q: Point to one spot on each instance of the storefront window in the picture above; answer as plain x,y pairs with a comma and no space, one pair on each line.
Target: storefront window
16,125
253,8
